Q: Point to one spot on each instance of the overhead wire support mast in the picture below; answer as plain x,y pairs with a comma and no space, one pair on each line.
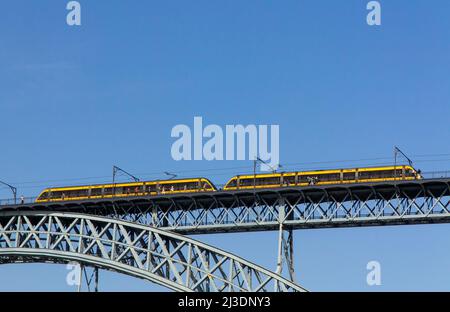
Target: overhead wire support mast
117,169
397,151
255,161
13,189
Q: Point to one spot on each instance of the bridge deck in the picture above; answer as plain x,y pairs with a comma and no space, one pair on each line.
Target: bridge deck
420,201
314,194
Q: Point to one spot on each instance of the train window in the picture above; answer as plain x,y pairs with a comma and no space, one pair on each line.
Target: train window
56,194
363,175
232,183
43,196
172,186
247,182
303,178
175,186
124,190
260,181
269,181
289,180
76,193
383,174
349,176
192,185
329,177
188,186
164,187
136,189
151,188
276,181
96,191
380,174
68,194
410,173
113,191
206,185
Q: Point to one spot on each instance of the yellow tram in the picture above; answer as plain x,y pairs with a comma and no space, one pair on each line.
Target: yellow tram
126,189
239,182
323,177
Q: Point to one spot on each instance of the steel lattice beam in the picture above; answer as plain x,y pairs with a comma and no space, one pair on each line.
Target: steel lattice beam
169,259
410,202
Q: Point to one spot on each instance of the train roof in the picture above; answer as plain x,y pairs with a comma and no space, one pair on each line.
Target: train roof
126,183
324,170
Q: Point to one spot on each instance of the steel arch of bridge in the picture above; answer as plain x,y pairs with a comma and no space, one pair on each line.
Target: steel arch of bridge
281,209
166,258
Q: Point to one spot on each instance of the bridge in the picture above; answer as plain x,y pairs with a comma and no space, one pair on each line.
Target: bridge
169,259
340,205
282,209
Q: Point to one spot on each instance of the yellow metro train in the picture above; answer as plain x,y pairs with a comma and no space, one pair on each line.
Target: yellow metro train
240,182
323,177
126,189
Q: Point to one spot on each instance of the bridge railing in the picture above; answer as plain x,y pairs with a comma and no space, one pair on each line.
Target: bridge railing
436,174
17,201
30,200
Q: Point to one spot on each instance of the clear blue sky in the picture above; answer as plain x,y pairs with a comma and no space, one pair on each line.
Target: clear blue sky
76,100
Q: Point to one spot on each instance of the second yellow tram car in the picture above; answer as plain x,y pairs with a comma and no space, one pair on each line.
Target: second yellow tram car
323,177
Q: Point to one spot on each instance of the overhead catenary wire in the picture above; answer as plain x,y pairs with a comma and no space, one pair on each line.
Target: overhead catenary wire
230,171
290,166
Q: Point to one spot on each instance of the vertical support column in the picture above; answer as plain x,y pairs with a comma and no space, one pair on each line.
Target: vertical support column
154,216
89,278
285,256
80,278
95,279
208,268
168,269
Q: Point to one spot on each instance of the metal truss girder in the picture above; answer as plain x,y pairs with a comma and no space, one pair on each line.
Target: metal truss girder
354,208
410,202
168,259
